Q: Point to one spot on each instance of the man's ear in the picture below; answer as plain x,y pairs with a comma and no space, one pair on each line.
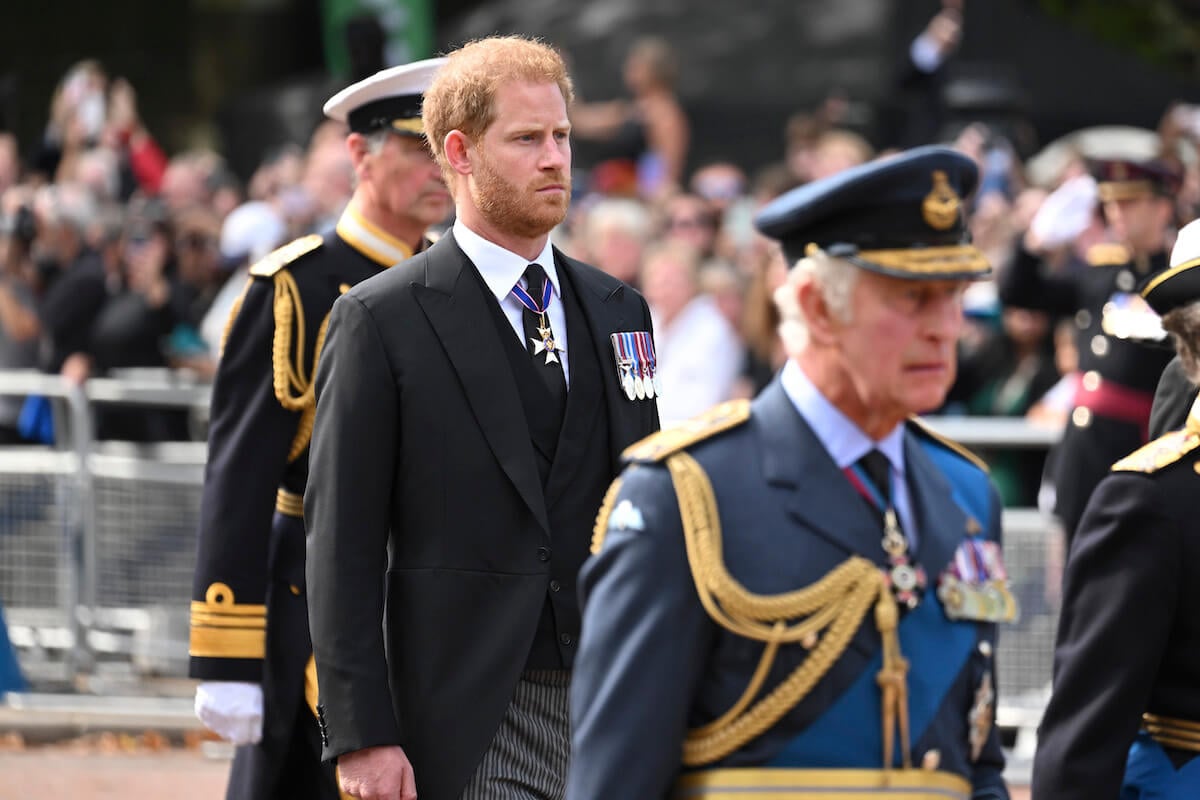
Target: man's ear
819,319
359,149
457,148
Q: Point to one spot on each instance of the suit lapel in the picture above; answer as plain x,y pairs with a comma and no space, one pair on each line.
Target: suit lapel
941,522
583,399
813,489
455,304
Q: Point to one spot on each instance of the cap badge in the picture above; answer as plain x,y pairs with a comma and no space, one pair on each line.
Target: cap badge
940,208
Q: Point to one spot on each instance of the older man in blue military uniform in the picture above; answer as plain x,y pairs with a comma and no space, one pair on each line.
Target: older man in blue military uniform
799,595
1124,716
250,642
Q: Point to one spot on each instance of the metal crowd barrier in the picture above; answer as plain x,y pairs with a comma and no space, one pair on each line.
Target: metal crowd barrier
97,538
97,542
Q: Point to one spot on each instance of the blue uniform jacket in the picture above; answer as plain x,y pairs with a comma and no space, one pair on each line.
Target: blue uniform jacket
652,663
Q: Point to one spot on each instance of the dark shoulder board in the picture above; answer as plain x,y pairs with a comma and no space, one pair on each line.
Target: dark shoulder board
922,429
1162,452
278,259
1108,254
717,419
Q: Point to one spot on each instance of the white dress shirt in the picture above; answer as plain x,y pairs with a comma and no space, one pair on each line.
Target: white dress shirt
846,443
502,270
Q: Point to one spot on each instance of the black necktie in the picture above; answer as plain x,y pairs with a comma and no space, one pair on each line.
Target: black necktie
907,581
546,362
875,464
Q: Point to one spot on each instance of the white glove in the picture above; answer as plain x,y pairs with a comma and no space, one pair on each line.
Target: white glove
231,709
1065,213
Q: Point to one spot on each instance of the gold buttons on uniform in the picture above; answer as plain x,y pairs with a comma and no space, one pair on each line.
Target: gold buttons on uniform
1083,318
1081,417
1100,345
985,649
931,760
1091,380
295,589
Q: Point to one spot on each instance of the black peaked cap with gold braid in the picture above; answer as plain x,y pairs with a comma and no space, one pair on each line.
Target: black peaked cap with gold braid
903,216
1180,284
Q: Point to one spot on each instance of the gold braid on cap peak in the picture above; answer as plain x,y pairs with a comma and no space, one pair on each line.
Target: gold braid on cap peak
292,380
948,259
828,614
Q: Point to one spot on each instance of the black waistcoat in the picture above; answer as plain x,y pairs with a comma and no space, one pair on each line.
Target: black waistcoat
574,465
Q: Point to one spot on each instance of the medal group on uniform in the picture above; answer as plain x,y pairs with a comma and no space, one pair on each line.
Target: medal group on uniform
443,557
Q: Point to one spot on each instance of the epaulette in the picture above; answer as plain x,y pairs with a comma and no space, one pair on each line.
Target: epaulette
1108,254
1162,452
276,260
923,428
717,419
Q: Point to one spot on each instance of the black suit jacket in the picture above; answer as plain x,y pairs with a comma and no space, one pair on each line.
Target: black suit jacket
422,468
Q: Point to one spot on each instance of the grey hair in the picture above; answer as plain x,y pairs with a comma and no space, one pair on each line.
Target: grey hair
834,276
1183,324
627,216
376,140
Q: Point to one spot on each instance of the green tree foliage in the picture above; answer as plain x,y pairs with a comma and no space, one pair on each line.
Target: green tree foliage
1164,32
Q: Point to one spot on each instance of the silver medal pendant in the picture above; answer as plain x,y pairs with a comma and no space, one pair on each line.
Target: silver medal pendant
649,383
639,387
657,385
627,385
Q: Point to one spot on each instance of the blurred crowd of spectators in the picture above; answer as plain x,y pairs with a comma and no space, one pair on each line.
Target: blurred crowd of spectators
116,255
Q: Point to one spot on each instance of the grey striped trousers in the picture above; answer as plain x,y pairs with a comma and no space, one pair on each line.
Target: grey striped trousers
528,759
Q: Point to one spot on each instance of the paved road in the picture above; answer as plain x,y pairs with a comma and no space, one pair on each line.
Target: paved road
175,774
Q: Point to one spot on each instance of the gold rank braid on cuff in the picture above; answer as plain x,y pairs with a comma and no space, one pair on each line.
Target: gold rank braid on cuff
293,384
828,614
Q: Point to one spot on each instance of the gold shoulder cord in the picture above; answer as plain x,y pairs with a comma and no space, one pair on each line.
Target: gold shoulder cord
606,507
832,609
293,385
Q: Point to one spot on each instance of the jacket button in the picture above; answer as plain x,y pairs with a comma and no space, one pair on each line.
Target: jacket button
555,586
566,638
543,554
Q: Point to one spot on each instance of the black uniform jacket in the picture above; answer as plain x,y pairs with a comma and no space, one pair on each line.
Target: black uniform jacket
1129,636
249,621
423,470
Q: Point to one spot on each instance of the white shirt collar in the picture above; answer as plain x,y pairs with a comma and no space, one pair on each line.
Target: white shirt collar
502,269
845,442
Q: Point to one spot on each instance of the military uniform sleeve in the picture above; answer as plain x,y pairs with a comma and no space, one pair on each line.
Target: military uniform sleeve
645,641
250,434
1120,590
1026,285
347,515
